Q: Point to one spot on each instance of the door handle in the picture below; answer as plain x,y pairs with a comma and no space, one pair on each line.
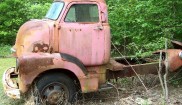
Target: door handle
99,28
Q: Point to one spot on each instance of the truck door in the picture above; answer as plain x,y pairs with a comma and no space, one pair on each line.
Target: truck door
82,33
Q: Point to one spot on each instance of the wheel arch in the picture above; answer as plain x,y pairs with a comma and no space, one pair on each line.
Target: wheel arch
69,73
34,65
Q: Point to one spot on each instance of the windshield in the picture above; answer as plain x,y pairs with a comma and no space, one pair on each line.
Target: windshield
55,10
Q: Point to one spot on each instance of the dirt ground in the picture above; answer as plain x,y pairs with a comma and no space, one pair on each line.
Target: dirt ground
134,96
129,91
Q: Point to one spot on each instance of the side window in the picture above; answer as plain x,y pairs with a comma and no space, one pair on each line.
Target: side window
83,13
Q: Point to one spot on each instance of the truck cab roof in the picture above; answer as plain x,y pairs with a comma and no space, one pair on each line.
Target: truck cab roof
103,1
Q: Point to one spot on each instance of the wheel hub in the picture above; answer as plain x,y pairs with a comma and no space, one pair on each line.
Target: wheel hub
54,94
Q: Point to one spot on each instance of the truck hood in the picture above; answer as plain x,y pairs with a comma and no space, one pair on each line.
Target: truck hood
33,36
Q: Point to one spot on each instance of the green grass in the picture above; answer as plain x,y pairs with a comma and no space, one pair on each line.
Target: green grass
6,63
5,50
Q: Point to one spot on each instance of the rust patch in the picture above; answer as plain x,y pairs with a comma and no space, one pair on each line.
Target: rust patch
115,66
90,83
174,61
100,71
142,69
40,48
28,65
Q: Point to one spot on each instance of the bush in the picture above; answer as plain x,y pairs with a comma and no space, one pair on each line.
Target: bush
140,26
16,12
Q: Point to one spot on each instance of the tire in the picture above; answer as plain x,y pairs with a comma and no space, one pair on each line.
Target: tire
56,89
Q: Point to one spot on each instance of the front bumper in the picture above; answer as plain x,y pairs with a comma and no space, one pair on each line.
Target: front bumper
9,83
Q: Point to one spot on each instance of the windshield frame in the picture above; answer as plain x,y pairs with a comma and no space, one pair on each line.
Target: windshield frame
52,17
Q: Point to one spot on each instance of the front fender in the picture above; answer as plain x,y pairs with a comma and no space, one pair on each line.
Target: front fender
31,65
174,62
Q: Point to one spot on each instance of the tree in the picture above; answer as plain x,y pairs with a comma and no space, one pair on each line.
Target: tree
10,19
15,12
140,24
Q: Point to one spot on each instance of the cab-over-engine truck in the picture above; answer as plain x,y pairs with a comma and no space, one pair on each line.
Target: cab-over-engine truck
68,50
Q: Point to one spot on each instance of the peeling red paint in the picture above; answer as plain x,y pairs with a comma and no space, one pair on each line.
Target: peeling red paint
174,62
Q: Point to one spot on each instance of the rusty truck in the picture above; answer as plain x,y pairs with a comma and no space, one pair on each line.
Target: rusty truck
69,50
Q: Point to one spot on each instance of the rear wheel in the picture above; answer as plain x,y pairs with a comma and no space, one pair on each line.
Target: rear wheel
56,89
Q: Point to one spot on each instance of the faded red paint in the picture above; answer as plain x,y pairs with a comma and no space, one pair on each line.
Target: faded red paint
81,40
33,36
32,65
173,60
39,43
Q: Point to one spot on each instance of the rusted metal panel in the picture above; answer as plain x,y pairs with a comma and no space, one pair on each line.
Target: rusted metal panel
115,66
33,36
89,84
128,71
80,40
75,61
83,41
44,36
40,47
32,65
40,42
173,61
100,71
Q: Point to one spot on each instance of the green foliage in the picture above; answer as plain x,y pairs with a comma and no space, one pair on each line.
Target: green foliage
4,50
16,12
10,19
37,10
140,26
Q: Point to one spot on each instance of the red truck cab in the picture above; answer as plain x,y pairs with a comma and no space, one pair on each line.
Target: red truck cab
70,46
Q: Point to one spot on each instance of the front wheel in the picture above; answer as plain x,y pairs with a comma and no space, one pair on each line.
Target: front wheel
56,89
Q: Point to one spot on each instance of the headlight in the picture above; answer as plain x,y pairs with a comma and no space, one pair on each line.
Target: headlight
180,55
13,50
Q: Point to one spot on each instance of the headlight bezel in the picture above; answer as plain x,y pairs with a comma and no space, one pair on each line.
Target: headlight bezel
13,50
